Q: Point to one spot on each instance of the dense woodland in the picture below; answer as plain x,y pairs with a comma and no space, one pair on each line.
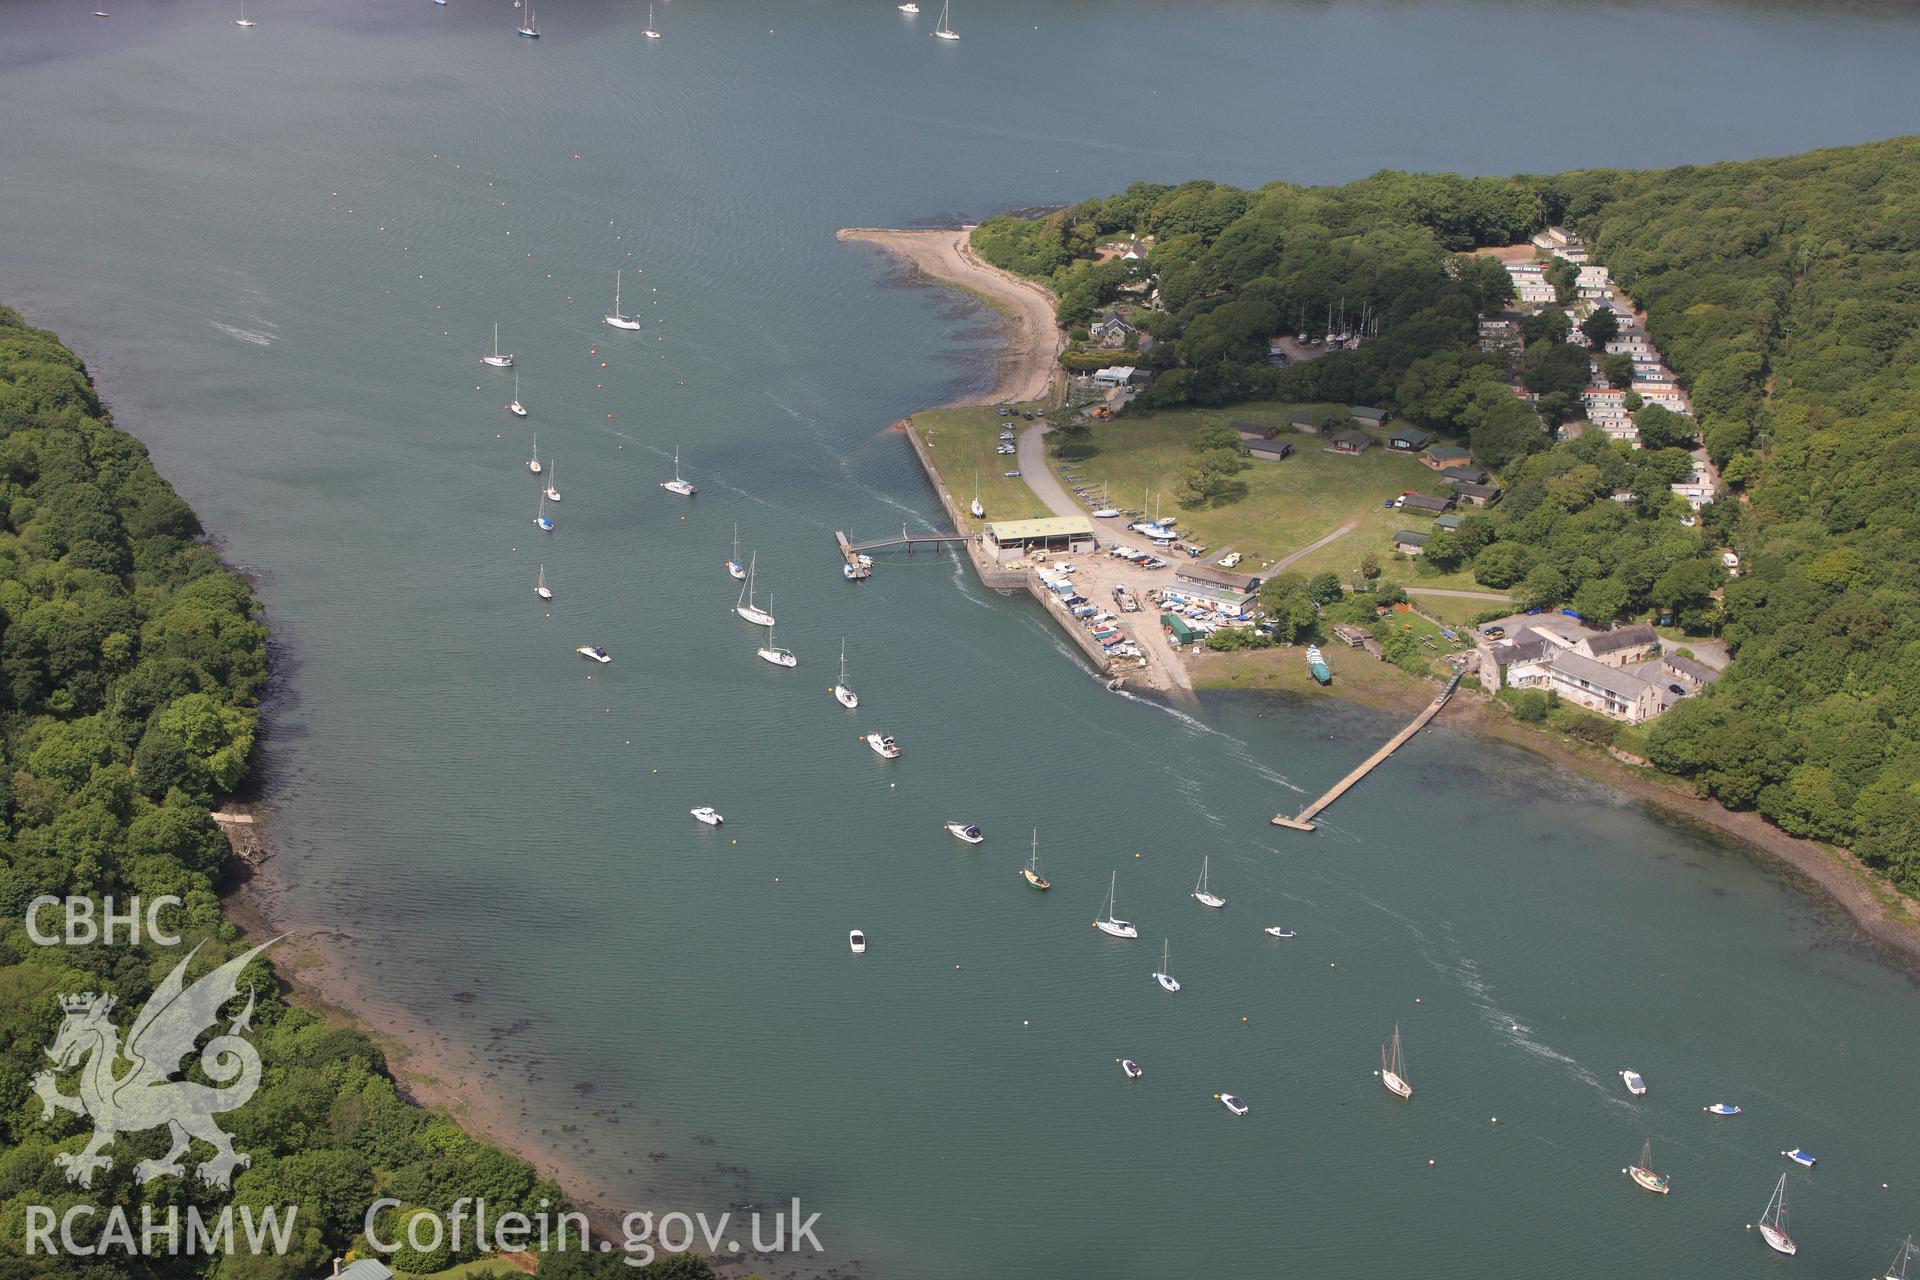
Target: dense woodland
1785,293
131,667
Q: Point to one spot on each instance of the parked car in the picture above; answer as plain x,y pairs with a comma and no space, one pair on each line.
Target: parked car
1494,633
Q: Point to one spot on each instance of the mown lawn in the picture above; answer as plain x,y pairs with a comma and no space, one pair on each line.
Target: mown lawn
1288,505
961,443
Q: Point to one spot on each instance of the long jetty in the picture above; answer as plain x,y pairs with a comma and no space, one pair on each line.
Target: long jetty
1303,821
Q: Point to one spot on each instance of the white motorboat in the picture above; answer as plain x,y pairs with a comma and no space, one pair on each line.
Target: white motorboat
618,318
1110,924
708,815
540,587
908,7
677,485
497,360
841,693
1202,894
1722,1109
1165,974
1279,931
746,607
734,568
942,30
1773,1222
1233,1104
1805,1159
965,831
884,745
533,460
1635,1084
1131,1068
773,653
514,406
857,942
595,652
1393,1067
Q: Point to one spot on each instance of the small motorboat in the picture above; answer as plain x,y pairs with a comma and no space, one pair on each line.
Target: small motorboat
708,815
1800,1157
1722,1109
965,831
1233,1104
857,942
908,7
884,745
1635,1085
595,652
1278,931
1131,1068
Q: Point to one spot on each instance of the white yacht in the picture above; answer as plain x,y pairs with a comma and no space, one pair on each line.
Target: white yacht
533,460
775,654
595,652
1111,924
497,360
964,831
514,406
941,29
650,34
841,693
618,318
708,815
1393,1067
1279,931
884,745
529,28
746,607
976,510
677,485
553,485
243,20
540,587
1773,1223
734,568
908,7
857,942
1165,975
542,519
1202,894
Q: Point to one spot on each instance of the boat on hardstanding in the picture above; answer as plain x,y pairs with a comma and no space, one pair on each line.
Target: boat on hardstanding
1164,976
735,569
533,459
746,608
845,696
497,360
1643,1173
884,745
1130,1067
1317,665
775,654
964,831
941,29
1897,1269
1111,924
976,510
594,652
1635,1085
1031,872
514,406
707,814
618,318
540,587
1773,1222
1204,895
1233,1104
1393,1067
677,485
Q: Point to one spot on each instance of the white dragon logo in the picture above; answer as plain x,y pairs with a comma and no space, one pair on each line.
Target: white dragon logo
146,1095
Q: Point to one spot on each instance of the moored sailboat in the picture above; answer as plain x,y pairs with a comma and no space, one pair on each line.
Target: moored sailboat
529,28
618,318
746,608
1165,975
734,568
540,587
1773,1222
1643,1173
841,693
1031,872
775,654
649,32
1393,1067
1202,894
553,485
1111,924
1897,1269
677,485
942,30
533,461
514,406
497,360
543,520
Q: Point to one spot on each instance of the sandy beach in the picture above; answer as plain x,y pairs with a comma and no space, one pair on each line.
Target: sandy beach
1034,341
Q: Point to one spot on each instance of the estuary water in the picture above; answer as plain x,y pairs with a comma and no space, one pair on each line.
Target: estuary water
283,251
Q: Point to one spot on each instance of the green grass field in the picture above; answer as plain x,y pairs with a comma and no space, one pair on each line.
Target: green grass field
961,442
1289,504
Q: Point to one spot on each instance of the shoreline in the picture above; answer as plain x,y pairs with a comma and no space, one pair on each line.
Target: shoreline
1884,917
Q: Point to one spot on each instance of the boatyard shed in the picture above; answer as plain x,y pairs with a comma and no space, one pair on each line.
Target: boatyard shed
1054,533
1204,584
